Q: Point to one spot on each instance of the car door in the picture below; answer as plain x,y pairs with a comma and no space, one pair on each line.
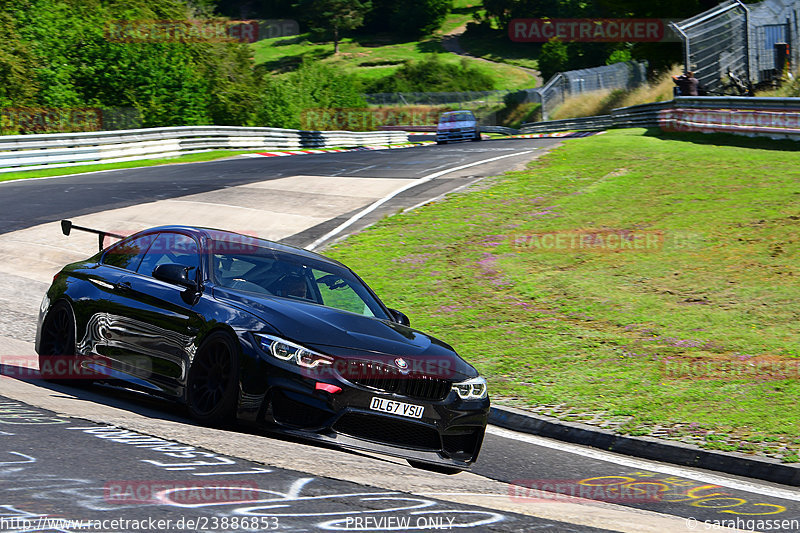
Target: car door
163,320
98,332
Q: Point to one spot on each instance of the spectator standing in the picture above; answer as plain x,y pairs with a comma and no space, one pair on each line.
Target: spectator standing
687,84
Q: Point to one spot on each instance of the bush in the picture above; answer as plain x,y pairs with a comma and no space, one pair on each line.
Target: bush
553,58
313,85
434,75
78,63
619,56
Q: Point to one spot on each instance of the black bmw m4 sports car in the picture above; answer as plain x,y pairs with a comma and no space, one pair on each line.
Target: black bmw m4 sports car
240,328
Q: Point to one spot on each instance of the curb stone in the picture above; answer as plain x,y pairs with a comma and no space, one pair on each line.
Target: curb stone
646,447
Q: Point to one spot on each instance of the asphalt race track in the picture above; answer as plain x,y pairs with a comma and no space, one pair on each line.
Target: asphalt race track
82,453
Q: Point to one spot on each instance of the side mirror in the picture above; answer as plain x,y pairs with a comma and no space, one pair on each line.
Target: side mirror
175,274
400,318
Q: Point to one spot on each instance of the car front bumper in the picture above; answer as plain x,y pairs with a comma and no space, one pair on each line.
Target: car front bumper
459,134
288,400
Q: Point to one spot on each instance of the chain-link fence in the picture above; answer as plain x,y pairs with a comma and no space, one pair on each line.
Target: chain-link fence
733,41
552,94
559,87
716,44
773,36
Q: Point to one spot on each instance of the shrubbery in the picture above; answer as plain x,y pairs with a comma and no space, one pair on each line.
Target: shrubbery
64,54
59,54
434,75
553,58
312,86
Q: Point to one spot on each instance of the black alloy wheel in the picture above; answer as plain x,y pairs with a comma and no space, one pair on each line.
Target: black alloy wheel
212,383
58,341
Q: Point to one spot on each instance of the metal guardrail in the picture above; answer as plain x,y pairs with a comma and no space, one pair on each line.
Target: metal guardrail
596,123
499,129
771,117
29,152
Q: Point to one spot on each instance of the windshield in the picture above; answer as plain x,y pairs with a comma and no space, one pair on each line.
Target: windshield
270,272
456,117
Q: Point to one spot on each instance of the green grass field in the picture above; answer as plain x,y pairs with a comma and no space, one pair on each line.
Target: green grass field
463,12
372,58
376,56
501,49
688,331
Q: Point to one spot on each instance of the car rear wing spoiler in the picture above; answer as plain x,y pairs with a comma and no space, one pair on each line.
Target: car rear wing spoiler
67,226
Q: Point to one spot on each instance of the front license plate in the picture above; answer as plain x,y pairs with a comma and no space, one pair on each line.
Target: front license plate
396,408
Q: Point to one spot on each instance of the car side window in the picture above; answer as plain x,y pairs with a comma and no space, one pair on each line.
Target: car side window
171,248
128,253
337,292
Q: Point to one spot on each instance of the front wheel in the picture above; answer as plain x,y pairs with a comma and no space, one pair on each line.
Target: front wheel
477,137
212,384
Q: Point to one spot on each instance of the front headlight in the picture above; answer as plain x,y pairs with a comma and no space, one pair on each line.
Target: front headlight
472,389
289,351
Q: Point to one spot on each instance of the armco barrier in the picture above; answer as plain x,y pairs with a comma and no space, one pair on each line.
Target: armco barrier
769,117
28,152
499,129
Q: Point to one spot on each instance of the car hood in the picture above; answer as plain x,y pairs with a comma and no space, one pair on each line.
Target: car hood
348,335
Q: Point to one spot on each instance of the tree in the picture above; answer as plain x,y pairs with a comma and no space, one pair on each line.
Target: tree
67,54
553,58
335,15
17,66
419,17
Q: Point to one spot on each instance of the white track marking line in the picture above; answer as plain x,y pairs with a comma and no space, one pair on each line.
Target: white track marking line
420,181
643,464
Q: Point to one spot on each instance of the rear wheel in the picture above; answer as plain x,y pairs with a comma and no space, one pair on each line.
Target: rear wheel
57,343
212,384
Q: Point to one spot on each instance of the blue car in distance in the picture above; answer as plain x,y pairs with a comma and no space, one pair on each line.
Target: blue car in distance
457,126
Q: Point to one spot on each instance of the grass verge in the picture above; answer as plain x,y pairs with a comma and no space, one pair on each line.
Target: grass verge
693,336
